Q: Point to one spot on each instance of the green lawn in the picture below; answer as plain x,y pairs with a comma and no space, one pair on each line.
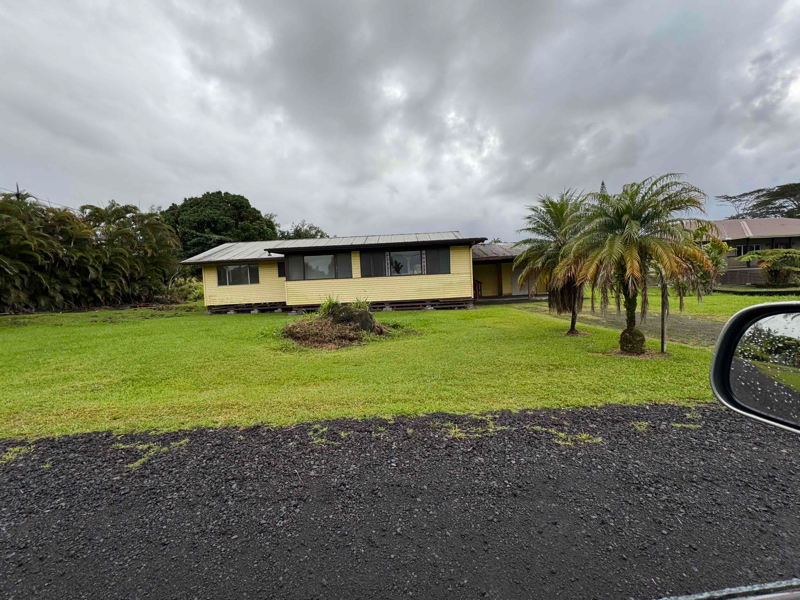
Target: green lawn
145,369
715,307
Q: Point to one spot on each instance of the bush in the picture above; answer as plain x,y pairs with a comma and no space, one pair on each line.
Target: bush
187,290
781,266
328,306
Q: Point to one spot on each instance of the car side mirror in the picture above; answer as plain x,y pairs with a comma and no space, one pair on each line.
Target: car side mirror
756,364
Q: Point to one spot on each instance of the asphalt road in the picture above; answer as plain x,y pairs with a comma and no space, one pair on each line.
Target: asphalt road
543,504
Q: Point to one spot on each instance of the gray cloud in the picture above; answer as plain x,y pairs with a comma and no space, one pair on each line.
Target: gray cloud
368,117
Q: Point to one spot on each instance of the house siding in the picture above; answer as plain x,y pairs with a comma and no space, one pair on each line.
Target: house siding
456,284
270,288
487,275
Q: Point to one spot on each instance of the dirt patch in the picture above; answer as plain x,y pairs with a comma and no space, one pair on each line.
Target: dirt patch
576,333
321,332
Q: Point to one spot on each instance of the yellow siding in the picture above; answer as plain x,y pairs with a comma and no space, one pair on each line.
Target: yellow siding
487,275
457,284
506,279
270,288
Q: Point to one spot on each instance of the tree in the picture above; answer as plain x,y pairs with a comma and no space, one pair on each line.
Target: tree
782,267
301,230
779,201
55,259
627,234
549,228
217,218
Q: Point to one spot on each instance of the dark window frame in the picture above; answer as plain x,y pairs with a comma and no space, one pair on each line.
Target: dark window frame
419,251
437,261
336,266
282,269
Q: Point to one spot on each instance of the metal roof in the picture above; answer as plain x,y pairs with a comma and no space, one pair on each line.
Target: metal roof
272,250
736,229
495,252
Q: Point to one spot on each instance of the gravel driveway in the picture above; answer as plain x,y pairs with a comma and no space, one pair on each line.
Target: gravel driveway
619,502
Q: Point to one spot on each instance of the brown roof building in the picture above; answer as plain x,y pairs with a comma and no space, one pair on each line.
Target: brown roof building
747,235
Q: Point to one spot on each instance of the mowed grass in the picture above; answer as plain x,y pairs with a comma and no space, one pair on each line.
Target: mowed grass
143,370
714,307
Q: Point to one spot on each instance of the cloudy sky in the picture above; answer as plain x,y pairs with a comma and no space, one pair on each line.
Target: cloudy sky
395,116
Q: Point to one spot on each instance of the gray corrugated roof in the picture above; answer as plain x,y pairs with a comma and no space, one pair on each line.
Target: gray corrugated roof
501,251
251,251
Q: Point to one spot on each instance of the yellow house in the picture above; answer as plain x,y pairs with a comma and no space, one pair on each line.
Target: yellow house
495,275
393,272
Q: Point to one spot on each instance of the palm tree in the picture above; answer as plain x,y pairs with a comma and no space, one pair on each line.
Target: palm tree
627,234
548,228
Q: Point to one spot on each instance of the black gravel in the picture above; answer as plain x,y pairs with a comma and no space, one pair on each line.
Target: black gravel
433,507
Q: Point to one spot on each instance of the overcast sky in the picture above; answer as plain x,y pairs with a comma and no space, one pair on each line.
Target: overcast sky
377,117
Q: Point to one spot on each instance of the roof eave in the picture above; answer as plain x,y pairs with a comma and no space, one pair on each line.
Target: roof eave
415,244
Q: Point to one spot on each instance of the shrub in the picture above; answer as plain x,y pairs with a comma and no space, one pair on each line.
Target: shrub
187,290
360,304
781,266
328,306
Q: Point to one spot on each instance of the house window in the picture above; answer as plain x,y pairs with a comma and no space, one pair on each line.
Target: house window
739,250
755,247
437,261
281,269
237,275
405,262
373,264
319,266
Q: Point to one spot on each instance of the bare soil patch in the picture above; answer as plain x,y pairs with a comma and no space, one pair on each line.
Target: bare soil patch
326,334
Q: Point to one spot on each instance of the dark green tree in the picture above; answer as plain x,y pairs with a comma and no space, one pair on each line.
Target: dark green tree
301,230
54,259
217,218
764,203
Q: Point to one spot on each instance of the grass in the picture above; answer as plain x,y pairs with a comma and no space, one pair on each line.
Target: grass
715,307
141,370
788,376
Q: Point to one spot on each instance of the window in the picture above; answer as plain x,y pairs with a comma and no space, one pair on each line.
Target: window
294,268
319,266
437,261
739,250
344,265
405,262
373,264
237,275
755,247
281,269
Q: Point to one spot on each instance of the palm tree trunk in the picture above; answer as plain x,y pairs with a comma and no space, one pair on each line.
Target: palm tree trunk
630,307
574,320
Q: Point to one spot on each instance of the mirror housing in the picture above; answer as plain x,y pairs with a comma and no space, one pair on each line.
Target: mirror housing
725,351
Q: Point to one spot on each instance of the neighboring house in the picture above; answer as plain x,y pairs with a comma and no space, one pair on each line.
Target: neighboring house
492,266
746,235
403,271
